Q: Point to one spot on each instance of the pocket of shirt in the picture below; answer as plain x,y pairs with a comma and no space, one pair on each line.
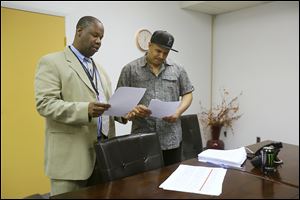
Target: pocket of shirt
170,82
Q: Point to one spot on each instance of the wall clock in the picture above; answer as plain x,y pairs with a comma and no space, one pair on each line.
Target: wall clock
143,37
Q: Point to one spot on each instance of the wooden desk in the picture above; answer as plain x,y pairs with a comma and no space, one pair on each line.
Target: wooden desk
246,183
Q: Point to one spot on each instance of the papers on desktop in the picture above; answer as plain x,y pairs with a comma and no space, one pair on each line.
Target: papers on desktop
124,100
196,179
162,109
224,158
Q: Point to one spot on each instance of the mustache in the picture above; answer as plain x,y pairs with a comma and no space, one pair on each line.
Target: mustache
160,60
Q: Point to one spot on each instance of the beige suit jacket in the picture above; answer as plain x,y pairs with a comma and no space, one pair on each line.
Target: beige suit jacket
63,92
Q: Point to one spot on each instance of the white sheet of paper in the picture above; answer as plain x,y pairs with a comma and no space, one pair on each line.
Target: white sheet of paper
124,100
196,179
162,109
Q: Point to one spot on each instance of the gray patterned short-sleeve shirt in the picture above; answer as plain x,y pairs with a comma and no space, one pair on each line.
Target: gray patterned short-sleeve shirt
171,83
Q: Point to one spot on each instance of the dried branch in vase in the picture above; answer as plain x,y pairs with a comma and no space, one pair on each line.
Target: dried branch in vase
222,115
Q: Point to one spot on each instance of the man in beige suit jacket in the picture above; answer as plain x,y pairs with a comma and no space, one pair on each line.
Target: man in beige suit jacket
66,97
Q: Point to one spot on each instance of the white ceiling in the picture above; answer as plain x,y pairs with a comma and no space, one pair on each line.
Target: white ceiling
218,7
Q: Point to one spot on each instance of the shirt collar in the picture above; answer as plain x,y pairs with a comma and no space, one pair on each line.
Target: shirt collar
78,54
143,62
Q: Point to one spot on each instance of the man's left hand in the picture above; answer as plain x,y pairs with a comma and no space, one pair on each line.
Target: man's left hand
172,118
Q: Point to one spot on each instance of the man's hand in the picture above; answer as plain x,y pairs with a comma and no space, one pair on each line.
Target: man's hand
138,111
185,103
96,109
172,118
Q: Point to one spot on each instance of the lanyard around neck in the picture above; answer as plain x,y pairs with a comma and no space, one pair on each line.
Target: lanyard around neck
95,87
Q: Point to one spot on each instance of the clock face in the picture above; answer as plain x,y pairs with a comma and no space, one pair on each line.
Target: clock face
142,39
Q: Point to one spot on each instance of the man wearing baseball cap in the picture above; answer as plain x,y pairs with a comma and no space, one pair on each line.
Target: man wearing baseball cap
166,81
163,39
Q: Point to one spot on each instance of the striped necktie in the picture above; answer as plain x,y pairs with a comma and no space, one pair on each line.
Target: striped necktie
89,66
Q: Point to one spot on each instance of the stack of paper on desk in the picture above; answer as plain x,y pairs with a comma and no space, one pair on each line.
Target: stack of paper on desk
225,158
196,179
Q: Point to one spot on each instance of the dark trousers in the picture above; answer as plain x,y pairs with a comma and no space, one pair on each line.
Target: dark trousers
95,178
172,156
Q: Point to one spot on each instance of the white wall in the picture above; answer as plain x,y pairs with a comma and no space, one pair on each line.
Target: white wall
256,51
192,32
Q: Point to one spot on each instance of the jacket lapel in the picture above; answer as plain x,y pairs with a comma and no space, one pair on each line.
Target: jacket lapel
104,82
76,66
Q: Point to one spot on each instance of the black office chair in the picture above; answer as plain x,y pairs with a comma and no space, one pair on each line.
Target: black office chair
191,137
38,196
127,155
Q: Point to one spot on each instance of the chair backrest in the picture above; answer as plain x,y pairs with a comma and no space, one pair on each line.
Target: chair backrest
126,155
191,137
38,196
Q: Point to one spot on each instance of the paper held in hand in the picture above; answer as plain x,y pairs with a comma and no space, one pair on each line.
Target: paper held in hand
224,158
162,109
124,100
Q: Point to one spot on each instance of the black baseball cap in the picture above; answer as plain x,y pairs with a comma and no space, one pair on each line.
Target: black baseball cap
163,39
